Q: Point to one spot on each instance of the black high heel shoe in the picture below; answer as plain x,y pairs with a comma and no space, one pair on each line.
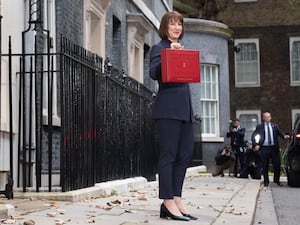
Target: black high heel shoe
189,216
165,213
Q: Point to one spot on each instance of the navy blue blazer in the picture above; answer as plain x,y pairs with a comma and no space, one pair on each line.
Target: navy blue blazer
237,138
173,100
260,129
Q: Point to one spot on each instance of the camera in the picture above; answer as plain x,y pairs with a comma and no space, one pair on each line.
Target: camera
231,124
227,149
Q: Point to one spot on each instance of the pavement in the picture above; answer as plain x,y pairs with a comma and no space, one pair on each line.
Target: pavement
134,201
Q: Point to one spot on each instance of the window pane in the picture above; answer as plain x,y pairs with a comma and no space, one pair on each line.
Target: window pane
247,64
209,99
249,122
296,61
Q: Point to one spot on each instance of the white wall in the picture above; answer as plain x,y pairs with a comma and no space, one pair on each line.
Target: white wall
13,22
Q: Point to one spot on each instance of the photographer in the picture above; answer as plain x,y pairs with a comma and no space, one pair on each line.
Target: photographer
253,164
224,160
237,133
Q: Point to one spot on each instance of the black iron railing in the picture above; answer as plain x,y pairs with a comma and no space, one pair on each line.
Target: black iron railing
107,130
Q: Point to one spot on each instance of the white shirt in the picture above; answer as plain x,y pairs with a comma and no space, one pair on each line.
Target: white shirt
266,141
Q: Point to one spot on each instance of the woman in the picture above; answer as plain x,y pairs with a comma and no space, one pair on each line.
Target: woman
173,114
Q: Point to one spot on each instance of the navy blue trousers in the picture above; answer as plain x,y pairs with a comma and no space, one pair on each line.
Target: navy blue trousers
267,153
176,142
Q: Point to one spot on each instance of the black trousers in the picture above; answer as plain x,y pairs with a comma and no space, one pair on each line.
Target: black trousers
239,160
267,153
176,141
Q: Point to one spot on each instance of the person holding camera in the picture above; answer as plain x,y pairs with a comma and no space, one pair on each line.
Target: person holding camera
253,163
237,133
225,159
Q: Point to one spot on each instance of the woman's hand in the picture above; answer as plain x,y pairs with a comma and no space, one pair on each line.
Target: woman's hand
176,46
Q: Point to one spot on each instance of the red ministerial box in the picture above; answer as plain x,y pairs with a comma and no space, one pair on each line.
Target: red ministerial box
180,65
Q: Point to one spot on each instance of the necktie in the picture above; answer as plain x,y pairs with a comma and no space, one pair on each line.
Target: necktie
269,135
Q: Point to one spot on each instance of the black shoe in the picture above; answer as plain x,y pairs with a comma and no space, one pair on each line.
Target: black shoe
165,213
189,216
279,183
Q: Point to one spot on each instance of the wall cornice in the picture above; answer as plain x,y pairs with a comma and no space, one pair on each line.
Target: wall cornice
207,26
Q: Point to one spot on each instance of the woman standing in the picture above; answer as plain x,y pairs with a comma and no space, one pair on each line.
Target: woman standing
173,114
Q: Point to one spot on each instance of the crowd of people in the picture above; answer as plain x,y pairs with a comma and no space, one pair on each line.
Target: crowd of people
243,159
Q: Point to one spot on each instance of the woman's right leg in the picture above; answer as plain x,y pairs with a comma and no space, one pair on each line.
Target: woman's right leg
168,133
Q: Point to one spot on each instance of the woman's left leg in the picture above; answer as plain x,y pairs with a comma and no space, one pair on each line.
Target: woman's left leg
183,159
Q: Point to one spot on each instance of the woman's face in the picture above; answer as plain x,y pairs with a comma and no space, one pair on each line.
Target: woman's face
174,30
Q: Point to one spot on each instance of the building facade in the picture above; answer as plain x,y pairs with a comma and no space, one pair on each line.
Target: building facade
119,32
264,61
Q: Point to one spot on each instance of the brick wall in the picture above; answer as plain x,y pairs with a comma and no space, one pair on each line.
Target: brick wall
260,13
272,22
69,20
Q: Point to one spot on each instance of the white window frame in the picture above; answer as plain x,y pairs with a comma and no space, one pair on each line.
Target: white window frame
247,84
295,113
253,112
216,125
95,25
293,82
137,29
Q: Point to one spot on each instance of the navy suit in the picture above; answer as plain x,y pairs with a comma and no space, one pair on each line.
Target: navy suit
268,152
238,145
172,111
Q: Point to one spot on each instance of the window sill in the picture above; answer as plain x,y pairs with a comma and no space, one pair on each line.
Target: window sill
212,139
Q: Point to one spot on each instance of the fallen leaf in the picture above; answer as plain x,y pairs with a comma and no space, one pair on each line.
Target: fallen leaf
17,217
47,204
215,209
142,198
109,204
59,222
8,221
129,211
103,207
29,222
52,214
61,211
53,203
117,202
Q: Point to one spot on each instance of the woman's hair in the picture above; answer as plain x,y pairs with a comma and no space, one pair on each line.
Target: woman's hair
164,23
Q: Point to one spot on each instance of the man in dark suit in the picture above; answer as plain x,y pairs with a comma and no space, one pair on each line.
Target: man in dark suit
237,133
265,140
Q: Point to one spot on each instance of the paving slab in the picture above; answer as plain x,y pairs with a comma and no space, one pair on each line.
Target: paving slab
214,200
